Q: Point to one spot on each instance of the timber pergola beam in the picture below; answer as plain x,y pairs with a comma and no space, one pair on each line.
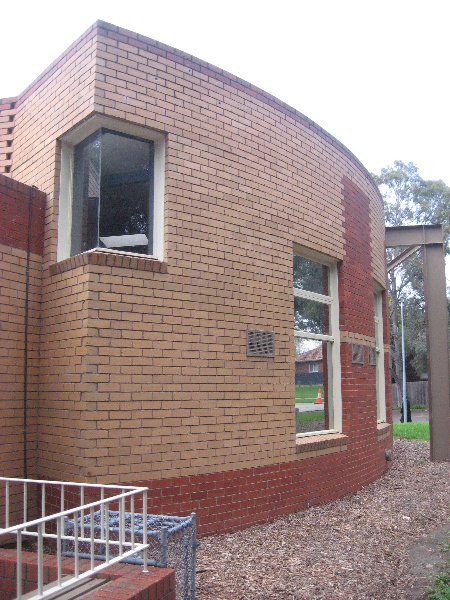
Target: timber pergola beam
430,239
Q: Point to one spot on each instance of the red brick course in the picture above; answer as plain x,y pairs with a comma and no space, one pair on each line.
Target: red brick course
124,581
15,212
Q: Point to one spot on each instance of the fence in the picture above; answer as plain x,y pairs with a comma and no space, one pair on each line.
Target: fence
101,523
171,542
416,391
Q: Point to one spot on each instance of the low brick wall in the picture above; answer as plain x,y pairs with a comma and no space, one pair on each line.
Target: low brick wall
124,581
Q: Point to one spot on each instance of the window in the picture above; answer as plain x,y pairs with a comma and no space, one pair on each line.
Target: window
379,353
112,189
316,323
313,368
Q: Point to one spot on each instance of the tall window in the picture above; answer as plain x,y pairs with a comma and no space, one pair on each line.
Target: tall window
379,352
113,194
316,323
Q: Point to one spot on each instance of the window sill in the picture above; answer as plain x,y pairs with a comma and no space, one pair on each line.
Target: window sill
320,445
384,430
110,258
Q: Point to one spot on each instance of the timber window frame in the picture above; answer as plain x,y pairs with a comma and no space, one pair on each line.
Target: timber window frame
69,219
330,336
379,350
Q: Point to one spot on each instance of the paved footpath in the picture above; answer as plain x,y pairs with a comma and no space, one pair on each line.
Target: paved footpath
417,416
308,406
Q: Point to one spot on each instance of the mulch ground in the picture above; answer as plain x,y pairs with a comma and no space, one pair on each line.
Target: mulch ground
382,543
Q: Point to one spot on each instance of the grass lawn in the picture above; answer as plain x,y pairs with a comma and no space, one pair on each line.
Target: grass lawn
305,417
310,421
412,431
307,393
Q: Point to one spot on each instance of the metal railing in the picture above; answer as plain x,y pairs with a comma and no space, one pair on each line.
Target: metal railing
48,534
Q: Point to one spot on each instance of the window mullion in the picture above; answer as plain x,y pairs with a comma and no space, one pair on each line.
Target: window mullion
313,296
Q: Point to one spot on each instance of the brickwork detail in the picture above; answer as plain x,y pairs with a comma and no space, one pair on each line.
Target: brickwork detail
144,370
7,114
15,199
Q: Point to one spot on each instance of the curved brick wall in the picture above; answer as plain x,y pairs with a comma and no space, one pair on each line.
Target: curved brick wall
144,373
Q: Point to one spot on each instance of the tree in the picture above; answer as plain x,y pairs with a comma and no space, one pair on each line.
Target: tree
408,200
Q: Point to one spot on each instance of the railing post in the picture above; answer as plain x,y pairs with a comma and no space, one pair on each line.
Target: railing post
194,543
107,532
144,530
132,521
163,540
58,549
121,523
7,505
91,519
40,559
25,502
75,527
19,564
102,515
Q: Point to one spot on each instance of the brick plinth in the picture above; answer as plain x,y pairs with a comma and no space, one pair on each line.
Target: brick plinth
122,581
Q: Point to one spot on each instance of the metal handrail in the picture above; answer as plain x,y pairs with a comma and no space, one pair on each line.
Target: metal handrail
36,528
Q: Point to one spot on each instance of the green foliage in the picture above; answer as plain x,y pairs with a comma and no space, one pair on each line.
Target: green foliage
408,200
441,590
412,431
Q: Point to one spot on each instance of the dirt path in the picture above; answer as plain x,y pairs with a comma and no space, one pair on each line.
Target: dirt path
372,545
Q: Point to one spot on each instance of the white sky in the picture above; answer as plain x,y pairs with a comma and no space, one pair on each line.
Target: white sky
373,74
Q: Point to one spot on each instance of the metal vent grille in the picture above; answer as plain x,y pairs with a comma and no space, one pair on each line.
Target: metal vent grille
372,356
260,343
358,354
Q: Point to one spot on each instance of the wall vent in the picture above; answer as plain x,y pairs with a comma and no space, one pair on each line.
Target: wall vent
372,356
260,343
358,354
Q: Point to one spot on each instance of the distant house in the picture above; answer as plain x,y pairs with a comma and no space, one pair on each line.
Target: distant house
309,367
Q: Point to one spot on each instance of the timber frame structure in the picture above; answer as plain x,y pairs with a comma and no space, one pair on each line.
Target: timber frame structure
430,239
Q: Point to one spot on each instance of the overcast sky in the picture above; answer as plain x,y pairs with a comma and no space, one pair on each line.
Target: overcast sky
373,74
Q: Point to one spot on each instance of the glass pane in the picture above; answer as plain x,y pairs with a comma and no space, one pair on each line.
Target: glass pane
126,211
311,316
86,195
310,276
311,387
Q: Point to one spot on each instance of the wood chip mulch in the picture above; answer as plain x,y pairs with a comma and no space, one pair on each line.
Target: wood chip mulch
354,548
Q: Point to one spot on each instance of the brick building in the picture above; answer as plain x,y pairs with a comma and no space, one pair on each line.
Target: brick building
309,367
166,230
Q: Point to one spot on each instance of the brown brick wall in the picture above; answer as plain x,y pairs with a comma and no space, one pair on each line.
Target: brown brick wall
144,373
7,115
15,201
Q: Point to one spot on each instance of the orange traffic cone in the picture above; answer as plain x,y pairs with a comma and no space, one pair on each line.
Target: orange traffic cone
319,397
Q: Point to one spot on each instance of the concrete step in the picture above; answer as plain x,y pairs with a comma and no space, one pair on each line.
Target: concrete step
75,592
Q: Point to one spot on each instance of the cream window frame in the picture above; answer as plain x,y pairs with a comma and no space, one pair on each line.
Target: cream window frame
333,339
379,349
68,143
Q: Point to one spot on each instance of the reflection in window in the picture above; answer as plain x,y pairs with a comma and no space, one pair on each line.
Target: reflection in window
113,194
310,316
316,323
